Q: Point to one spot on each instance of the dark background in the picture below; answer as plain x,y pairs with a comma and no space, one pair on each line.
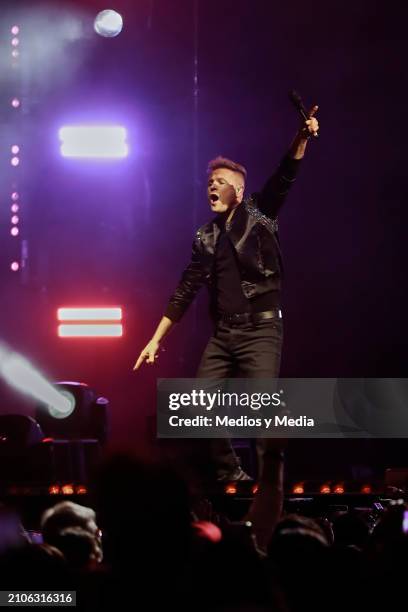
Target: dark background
120,232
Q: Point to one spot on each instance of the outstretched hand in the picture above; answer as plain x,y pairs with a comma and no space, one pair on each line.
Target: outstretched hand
149,354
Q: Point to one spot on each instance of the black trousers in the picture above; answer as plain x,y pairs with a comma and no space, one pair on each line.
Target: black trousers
250,350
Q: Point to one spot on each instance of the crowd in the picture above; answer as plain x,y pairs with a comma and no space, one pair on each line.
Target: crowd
147,544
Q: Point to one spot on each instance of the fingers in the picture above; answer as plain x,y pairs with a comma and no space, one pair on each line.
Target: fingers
313,110
312,126
147,356
151,357
139,361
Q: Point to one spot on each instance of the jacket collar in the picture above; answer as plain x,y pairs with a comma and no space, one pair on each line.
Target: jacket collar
238,226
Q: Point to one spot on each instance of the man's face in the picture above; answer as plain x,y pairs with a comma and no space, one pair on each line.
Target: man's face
225,189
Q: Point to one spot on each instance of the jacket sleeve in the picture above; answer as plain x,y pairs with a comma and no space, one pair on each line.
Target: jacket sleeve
191,281
274,193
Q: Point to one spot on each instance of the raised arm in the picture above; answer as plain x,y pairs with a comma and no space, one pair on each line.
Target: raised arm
274,193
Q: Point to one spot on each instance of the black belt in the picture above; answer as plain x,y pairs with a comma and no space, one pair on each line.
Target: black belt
240,318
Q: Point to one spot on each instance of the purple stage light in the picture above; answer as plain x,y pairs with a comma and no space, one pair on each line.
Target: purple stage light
15,161
15,149
93,141
15,103
15,196
15,266
15,219
15,30
15,42
14,208
14,231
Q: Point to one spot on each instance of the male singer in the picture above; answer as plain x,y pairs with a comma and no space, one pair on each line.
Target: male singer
237,256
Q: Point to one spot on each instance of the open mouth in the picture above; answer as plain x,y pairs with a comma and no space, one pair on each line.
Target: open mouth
214,197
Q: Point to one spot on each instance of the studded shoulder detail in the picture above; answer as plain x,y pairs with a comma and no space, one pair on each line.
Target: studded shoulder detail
253,210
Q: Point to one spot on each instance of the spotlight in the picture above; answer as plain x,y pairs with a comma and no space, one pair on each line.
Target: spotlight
15,219
15,30
88,418
15,149
14,232
15,266
15,161
14,208
15,42
108,23
325,489
14,196
15,53
15,103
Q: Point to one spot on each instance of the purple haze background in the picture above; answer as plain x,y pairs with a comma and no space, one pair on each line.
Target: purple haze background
119,233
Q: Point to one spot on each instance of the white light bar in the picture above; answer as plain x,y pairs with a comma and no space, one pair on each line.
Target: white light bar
89,314
78,330
93,141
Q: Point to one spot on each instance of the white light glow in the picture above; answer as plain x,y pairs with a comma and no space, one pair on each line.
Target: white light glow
93,141
20,374
77,330
108,23
89,314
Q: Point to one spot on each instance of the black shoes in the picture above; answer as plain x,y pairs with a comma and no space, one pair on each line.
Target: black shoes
234,476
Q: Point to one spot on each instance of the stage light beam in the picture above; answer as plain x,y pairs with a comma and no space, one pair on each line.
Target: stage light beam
21,375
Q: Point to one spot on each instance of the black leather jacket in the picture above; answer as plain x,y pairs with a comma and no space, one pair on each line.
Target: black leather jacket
254,235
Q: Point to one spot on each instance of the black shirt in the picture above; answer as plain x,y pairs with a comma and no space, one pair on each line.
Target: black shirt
230,297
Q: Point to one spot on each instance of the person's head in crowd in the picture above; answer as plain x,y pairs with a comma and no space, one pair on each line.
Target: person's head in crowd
12,534
299,554
78,547
66,515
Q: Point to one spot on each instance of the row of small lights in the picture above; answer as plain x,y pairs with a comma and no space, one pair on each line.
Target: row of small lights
327,488
67,489
299,489
15,151
54,489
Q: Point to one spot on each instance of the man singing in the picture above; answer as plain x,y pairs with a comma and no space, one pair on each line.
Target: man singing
237,256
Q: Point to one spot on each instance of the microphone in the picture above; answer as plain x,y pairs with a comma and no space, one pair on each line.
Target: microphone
300,107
